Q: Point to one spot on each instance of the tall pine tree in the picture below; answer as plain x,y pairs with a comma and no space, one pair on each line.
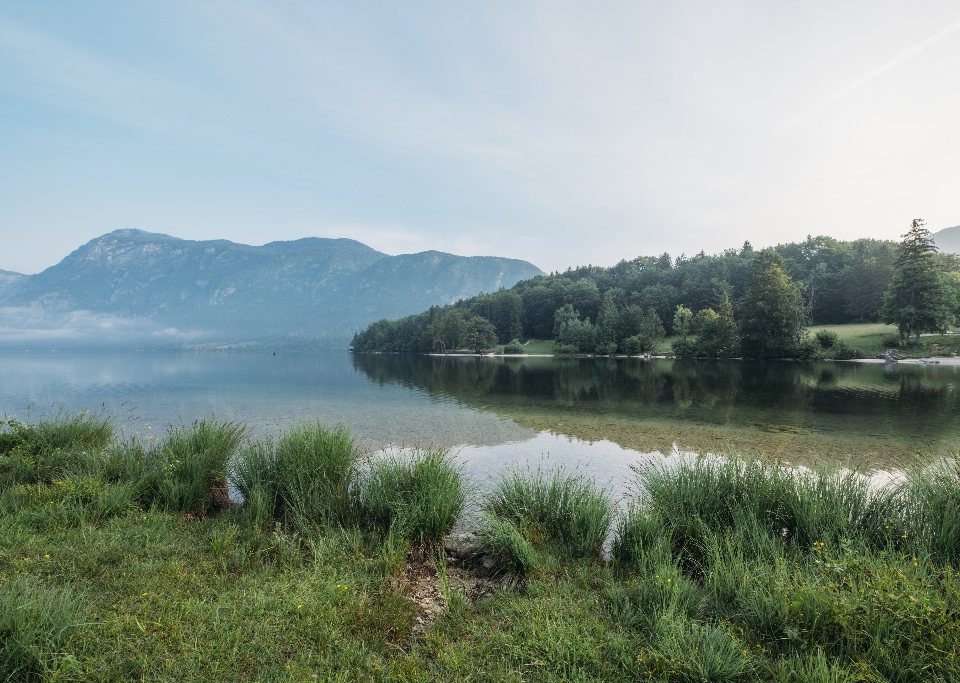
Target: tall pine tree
919,298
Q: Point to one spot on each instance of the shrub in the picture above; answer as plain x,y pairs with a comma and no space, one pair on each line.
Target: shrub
608,349
563,349
810,349
684,348
514,347
568,512
416,494
827,339
36,624
634,346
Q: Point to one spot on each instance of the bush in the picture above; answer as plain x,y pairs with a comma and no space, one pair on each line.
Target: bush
36,624
563,349
634,346
417,495
684,348
514,347
608,349
827,339
305,474
810,349
567,513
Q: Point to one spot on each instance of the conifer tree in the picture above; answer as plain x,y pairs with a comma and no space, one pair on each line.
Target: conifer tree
919,298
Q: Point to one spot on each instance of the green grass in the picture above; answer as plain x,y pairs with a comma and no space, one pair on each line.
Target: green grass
872,339
723,570
564,513
304,476
414,495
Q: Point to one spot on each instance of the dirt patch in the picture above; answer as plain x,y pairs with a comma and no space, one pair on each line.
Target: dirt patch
422,583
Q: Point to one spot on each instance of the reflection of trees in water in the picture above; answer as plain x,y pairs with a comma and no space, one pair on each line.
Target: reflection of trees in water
912,402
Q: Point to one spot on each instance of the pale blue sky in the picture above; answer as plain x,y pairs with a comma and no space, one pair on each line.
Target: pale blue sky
559,133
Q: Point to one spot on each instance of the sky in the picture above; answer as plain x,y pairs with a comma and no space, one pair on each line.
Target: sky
561,133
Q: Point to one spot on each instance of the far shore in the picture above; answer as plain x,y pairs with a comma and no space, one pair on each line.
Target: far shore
932,360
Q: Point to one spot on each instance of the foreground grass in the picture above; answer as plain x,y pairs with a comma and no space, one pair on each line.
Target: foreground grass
722,570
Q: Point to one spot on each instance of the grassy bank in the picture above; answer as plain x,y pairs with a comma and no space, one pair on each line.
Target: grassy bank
124,559
870,339
873,339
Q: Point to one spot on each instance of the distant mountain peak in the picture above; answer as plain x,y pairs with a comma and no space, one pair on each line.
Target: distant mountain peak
948,239
223,290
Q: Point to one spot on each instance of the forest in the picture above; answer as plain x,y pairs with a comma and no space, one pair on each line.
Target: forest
756,303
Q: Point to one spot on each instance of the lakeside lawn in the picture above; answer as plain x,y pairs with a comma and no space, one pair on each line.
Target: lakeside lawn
124,560
870,339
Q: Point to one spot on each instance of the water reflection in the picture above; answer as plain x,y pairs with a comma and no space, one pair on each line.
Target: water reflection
898,408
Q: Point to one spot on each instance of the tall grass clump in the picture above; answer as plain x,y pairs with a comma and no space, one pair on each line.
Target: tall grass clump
41,451
925,506
705,496
305,475
36,624
569,514
186,471
413,494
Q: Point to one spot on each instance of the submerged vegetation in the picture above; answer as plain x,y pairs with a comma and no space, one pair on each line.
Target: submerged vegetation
122,559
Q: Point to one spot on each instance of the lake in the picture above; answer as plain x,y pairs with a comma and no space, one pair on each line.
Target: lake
598,414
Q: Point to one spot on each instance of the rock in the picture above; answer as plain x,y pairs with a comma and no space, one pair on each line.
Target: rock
462,546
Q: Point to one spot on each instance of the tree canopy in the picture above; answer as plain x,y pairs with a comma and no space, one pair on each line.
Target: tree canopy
920,297
731,301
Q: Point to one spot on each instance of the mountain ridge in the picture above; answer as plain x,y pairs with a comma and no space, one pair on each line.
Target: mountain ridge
948,239
313,287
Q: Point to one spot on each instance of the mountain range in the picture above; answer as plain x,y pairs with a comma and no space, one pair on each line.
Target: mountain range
948,239
140,286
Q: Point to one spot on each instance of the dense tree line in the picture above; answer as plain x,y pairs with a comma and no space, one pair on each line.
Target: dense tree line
741,301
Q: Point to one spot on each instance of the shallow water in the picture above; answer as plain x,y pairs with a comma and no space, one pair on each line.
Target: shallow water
597,414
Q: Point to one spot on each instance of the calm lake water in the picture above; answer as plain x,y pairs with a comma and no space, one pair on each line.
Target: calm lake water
601,415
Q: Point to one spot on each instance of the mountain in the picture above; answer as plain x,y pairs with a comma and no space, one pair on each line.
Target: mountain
11,284
130,282
948,239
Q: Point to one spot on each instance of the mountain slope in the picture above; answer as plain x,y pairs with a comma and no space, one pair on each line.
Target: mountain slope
948,239
221,290
11,284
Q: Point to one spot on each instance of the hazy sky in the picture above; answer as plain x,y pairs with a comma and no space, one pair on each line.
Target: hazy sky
559,133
